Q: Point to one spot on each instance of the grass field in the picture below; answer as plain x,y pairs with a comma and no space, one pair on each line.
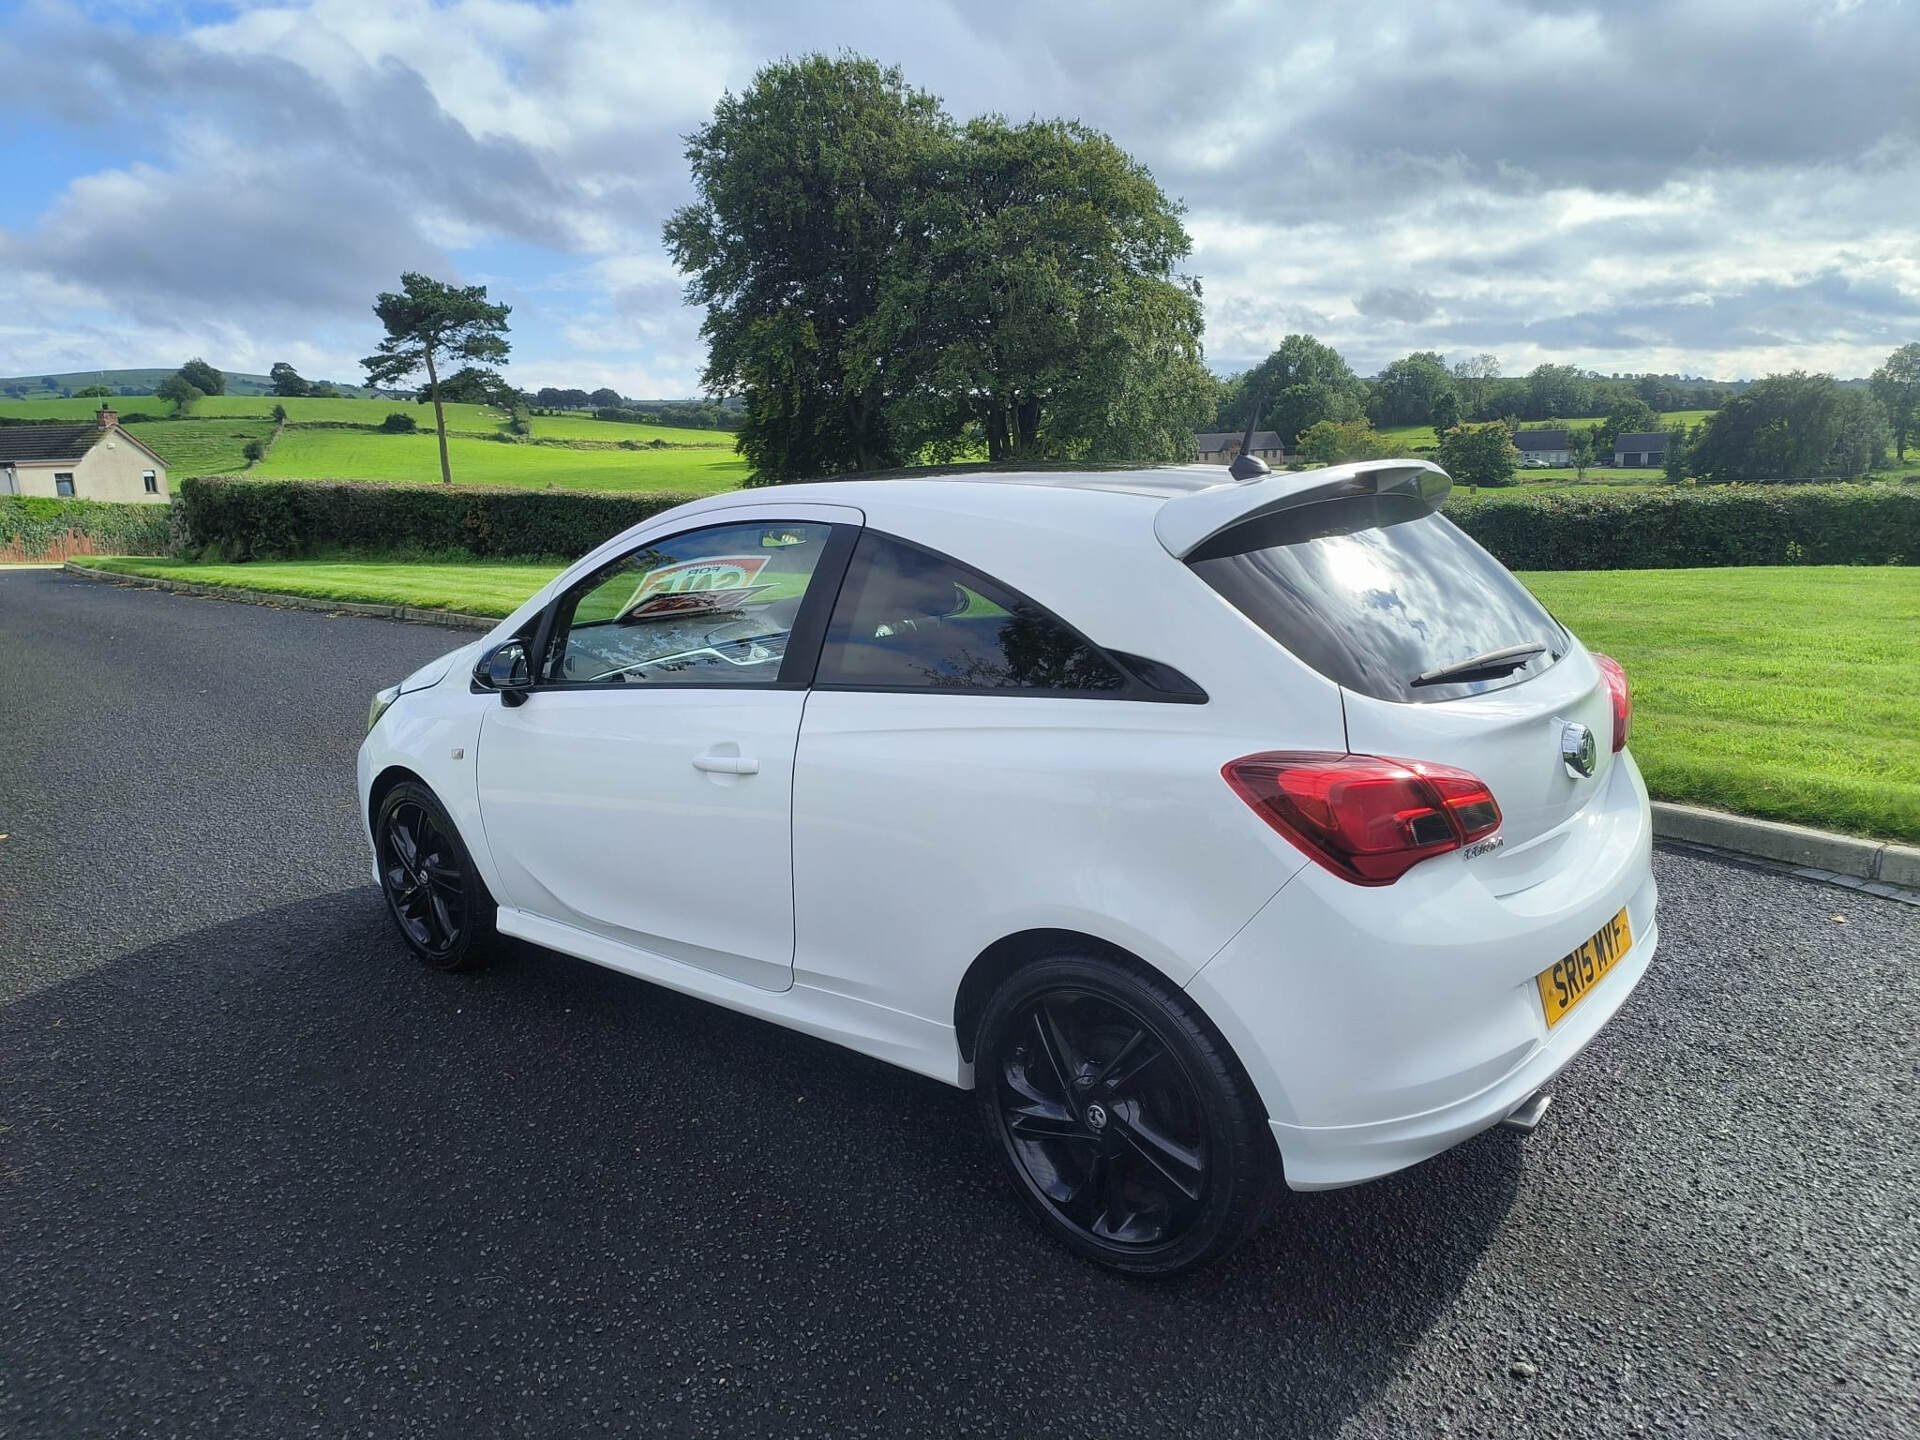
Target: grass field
201,447
467,419
1787,693
308,454
1421,437
585,427
477,419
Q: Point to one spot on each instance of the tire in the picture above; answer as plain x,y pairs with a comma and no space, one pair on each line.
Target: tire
436,897
1126,1124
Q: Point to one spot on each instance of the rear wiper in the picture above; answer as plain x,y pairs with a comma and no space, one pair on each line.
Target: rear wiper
1484,666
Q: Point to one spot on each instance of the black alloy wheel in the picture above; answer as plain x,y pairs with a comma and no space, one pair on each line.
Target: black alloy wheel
1131,1131
435,895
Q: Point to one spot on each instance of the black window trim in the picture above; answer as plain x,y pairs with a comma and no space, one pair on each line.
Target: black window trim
806,642
1135,690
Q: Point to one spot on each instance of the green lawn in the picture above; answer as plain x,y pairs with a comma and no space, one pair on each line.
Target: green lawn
309,454
1788,693
479,587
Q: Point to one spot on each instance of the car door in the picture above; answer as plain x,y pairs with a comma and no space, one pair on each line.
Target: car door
642,789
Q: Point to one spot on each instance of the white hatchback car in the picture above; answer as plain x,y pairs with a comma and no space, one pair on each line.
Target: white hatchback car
1217,833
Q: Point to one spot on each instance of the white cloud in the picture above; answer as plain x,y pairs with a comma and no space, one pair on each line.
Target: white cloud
1621,185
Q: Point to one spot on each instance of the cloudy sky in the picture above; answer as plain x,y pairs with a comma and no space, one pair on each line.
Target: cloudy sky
1712,188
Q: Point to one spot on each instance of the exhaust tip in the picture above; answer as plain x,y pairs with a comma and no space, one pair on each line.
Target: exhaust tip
1526,1116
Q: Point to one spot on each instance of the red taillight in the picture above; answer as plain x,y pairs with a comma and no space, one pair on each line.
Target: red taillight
1622,696
1365,818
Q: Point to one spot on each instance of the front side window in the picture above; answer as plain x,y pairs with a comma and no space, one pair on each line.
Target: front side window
709,607
152,482
908,618
62,484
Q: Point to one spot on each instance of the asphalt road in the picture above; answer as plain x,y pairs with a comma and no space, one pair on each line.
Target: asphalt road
261,1174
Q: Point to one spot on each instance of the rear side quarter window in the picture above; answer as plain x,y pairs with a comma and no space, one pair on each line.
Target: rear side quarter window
909,618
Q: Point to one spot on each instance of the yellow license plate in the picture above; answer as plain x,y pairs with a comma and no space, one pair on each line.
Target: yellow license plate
1566,982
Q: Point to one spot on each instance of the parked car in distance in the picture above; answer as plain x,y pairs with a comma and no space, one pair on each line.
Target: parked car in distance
1220,835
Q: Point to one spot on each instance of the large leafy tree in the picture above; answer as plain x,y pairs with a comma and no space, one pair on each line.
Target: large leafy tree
1416,389
1896,385
1479,454
203,377
1301,383
805,181
179,392
429,324
287,381
1791,427
1860,434
1473,377
1557,391
1036,302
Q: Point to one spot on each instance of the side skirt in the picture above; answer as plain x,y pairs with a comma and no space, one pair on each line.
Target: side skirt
922,1046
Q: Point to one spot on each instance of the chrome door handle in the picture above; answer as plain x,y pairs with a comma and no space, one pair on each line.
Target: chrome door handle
727,764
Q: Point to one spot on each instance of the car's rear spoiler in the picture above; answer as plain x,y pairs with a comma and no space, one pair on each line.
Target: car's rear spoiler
1186,522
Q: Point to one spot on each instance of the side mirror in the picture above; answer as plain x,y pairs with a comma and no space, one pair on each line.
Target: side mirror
505,669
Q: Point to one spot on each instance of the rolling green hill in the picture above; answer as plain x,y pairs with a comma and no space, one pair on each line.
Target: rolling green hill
139,382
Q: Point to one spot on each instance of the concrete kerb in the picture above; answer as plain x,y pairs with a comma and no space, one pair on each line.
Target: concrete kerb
1878,863
1875,861
412,614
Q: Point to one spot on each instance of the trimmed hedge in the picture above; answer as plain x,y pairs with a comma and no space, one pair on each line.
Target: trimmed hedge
1738,525
241,519
283,519
37,527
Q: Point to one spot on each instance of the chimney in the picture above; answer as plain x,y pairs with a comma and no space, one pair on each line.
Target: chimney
106,419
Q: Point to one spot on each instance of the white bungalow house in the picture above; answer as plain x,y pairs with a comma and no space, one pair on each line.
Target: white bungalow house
94,461
1541,448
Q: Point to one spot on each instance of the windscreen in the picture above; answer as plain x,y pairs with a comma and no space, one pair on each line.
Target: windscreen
1383,596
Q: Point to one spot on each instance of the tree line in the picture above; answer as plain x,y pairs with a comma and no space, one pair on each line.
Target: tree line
1791,426
1305,382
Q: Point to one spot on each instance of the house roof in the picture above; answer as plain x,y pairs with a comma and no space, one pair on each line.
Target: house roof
1643,440
1212,441
37,444
1540,440
51,444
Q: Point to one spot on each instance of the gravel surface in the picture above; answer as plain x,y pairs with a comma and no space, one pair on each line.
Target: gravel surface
261,1174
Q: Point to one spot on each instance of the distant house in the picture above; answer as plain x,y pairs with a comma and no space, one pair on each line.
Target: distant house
96,461
1221,447
1648,450
1542,448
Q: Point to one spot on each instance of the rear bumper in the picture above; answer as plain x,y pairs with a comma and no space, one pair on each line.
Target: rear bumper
1327,1157
1383,1026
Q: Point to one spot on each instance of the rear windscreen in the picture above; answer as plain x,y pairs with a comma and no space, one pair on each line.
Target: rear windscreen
1383,596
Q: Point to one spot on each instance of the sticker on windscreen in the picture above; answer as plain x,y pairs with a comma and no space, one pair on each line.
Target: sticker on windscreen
711,584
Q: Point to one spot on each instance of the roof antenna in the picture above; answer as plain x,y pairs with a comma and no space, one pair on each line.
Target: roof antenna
1247,465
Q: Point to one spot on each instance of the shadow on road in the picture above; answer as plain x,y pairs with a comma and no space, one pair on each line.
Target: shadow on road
275,1177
